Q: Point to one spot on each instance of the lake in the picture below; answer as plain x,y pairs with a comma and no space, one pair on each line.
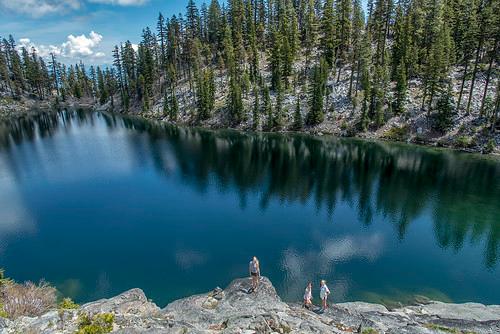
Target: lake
97,204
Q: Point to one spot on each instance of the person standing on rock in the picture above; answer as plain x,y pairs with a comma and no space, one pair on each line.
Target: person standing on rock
323,293
308,296
254,268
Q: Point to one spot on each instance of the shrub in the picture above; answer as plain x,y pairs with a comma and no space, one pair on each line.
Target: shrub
397,133
28,299
96,324
443,119
464,141
369,331
3,314
490,146
68,304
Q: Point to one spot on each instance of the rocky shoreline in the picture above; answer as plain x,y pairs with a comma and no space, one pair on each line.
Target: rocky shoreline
392,131
234,310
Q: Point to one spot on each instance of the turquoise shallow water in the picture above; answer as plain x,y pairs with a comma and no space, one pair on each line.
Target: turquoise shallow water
97,204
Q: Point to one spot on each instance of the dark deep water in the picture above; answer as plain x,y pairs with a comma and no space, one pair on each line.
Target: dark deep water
98,204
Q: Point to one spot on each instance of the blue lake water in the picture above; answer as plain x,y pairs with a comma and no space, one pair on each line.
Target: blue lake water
97,204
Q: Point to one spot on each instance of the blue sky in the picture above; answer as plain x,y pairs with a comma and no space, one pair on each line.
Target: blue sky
82,29
64,26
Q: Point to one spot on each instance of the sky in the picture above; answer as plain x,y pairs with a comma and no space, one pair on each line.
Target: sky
84,30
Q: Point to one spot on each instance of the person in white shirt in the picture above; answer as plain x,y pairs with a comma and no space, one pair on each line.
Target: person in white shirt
308,296
254,269
323,294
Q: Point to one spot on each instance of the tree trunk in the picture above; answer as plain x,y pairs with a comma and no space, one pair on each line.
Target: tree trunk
386,31
497,107
493,56
351,80
357,79
463,83
474,72
423,99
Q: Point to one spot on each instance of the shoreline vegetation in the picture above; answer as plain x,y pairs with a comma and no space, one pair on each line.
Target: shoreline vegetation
27,107
33,308
422,72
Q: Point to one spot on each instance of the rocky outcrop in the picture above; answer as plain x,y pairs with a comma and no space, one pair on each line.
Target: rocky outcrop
237,310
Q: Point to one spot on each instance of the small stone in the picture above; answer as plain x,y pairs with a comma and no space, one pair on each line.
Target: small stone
210,303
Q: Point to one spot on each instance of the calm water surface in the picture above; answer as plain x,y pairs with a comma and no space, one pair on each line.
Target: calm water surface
97,204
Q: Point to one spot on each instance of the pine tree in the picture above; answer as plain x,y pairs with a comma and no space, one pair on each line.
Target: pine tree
365,77
4,72
318,90
162,36
267,108
275,61
278,117
328,42
256,109
192,20
310,31
357,29
401,88
103,93
297,117
215,27
344,9
174,108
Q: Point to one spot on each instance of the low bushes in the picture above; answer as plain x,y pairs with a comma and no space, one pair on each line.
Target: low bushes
95,324
67,304
464,142
397,133
27,299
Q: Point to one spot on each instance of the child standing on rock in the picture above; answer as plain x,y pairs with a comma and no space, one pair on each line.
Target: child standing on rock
308,296
323,293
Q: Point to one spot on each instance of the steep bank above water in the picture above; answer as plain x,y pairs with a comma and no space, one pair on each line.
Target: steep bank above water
233,310
469,134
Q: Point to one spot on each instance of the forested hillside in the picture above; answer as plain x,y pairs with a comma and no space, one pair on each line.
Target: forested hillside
416,69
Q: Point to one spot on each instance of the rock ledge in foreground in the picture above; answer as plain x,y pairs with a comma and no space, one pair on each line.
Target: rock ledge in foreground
235,310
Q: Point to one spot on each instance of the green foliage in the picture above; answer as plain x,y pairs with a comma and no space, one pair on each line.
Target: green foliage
445,108
95,324
445,329
397,133
3,314
328,43
490,146
464,142
297,117
206,94
369,331
400,41
401,88
317,93
256,110
67,304
267,109
174,108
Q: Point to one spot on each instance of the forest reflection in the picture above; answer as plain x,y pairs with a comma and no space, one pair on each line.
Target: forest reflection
397,182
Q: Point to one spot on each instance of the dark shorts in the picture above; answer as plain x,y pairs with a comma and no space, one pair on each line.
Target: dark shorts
254,274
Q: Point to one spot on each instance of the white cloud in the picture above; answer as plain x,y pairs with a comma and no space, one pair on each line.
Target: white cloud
121,2
81,46
38,8
75,47
302,266
188,259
